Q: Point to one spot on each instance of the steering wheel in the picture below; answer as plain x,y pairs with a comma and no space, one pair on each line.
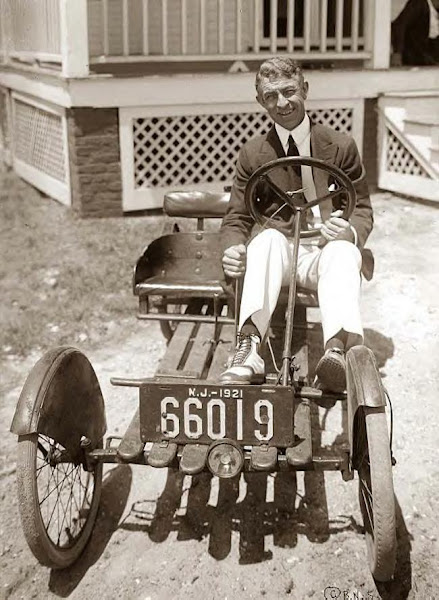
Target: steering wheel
344,184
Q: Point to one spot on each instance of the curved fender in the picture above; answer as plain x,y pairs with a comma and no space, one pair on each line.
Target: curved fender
61,398
364,386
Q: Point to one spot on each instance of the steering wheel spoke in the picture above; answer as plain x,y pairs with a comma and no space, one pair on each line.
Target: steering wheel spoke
332,194
281,194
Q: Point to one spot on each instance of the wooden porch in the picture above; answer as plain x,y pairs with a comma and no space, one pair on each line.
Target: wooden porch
158,76
74,37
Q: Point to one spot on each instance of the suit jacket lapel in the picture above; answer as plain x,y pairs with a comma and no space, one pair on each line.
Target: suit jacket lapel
271,150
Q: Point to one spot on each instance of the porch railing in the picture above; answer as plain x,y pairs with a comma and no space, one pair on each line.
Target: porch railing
30,30
77,33
184,30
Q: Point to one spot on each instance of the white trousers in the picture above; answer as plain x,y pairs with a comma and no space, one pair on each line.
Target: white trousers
333,271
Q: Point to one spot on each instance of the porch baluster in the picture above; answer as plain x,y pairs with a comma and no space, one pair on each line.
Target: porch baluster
355,24
165,49
273,26
183,25
125,28
238,26
290,24
307,27
105,27
145,23
221,26
256,25
202,27
339,26
323,25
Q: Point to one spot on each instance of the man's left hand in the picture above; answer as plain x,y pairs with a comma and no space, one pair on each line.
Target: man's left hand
336,228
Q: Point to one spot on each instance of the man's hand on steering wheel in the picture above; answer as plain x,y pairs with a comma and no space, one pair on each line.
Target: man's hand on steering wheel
235,260
336,228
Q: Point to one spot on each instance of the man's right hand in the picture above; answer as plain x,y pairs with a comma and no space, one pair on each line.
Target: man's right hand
234,261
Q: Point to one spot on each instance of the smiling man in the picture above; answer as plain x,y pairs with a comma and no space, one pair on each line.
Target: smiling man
329,265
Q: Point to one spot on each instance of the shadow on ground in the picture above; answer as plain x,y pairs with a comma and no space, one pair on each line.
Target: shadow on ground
252,517
402,582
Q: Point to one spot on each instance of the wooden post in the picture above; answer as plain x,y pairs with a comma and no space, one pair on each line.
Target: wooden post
6,30
74,38
377,33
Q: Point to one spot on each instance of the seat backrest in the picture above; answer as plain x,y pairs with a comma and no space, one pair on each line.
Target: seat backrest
196,205
193,256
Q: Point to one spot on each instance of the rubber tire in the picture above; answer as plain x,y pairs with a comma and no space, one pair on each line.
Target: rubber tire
168,328
43,548
381,543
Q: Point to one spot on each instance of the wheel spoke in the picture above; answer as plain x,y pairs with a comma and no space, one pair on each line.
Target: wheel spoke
56,505
58,484
64,511
367,501
365,486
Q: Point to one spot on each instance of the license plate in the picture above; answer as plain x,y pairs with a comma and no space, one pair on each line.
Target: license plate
186,413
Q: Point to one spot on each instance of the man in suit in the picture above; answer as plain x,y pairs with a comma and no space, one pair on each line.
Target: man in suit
415,34
331,264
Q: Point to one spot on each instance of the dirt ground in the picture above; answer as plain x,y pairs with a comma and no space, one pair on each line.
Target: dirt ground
163,536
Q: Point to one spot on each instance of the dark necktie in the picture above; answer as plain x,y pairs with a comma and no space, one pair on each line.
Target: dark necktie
294,151
299,199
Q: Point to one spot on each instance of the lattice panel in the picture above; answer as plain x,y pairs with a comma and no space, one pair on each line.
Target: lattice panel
38,139
399,159
337,118
191,149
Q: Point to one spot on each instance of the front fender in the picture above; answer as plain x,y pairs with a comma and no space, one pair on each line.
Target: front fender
364,386
61,398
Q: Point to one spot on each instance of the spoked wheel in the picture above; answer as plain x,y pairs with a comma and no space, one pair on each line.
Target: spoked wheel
168,327
58,500
376,494
372,460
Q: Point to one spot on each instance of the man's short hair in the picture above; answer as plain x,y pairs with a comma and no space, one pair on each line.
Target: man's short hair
279,66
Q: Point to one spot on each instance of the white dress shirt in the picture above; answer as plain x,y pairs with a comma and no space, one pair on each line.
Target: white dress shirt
302,137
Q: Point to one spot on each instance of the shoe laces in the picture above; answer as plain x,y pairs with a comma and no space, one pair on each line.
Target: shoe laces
242,349
336,350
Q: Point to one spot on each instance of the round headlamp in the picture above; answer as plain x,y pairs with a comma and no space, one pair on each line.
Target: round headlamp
225,458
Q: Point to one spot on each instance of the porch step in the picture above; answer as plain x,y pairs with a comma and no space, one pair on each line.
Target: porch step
413,104
434,153
423,132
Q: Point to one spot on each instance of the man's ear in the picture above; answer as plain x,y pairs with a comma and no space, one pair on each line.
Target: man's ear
305,89
259,100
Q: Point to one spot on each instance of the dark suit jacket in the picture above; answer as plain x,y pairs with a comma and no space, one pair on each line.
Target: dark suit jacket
326,144
410,35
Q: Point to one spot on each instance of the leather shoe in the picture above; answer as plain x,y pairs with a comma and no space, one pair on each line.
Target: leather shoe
247,365
331,370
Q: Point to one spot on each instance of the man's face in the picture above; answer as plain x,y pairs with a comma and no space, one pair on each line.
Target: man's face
284,99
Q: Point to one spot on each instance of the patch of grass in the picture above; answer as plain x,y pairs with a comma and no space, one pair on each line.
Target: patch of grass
63,279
